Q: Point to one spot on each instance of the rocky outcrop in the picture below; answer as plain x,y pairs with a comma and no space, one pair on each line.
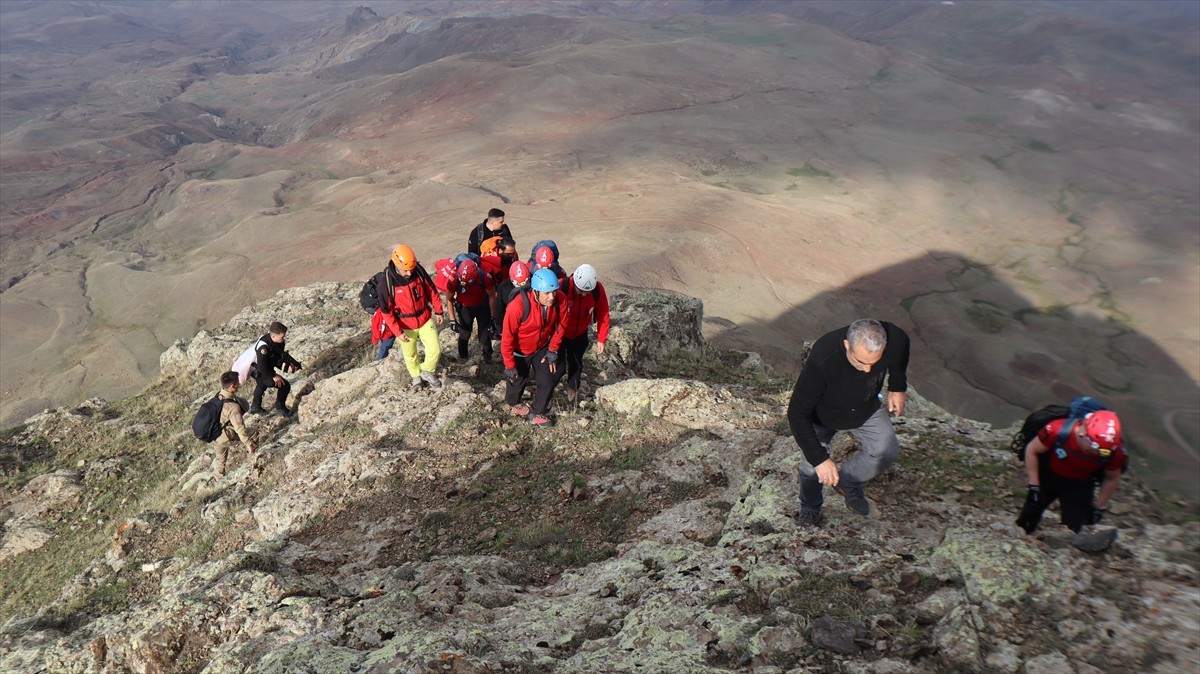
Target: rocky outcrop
720,579
650,326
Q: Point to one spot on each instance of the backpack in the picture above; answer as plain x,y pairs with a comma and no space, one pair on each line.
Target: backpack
207,423
547,243
368,297
526,307
1080,407
458,259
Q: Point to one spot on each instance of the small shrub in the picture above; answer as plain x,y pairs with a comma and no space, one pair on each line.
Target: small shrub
808,171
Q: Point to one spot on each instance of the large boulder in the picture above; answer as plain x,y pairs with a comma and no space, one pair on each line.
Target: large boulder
649,326
687,403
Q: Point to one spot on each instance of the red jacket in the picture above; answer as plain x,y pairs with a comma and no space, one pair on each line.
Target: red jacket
1071,462
413,304
469,296
581,309
494,266
541,328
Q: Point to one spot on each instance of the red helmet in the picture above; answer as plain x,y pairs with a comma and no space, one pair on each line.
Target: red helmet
468,272
446,270
544,257
518,272
1104,429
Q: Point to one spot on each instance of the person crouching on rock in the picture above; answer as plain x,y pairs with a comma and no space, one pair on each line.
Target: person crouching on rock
529,340
1067,471
270,353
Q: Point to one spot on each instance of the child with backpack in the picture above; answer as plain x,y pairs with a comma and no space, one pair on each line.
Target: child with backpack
1065,459
220,422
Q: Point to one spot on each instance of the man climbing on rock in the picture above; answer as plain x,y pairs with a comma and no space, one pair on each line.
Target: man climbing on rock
529,341
270,352
413,309
584,302
1066,466
233,427
840,388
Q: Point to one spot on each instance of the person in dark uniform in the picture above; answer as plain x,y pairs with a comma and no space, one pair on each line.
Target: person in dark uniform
270,353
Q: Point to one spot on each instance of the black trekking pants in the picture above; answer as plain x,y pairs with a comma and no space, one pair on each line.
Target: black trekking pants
1075,497
481,316
267,382
545,380
570,359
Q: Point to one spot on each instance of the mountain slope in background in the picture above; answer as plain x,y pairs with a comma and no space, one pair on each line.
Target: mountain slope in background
1013,183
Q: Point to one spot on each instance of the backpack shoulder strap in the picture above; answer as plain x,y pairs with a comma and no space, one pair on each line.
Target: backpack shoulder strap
1065,432
524,306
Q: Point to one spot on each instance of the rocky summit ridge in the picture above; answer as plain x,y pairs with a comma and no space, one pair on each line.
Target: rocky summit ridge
386,529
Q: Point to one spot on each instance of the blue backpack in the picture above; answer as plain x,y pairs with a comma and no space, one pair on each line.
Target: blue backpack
1080,407
547,243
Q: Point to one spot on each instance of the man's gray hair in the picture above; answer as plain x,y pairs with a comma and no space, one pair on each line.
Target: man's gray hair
867,332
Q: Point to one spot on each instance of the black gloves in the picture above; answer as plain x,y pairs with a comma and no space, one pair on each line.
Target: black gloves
453,325
510,373
1097,515
551,357
495,334
292,367
1031,512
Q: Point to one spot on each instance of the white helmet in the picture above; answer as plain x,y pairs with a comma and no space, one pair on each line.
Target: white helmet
585,278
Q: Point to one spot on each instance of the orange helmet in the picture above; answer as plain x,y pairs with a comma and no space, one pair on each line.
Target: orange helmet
490,246
404,258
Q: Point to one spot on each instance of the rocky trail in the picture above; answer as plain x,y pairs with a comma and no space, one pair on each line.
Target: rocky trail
387,529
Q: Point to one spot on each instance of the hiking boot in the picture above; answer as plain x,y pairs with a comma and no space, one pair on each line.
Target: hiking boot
285,412
417,382
487,358
520,410
809,518
432,379
855,499
1094,538
573,397
255,409
541,421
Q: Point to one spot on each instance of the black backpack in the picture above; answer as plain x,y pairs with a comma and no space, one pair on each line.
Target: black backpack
1080,407
207,422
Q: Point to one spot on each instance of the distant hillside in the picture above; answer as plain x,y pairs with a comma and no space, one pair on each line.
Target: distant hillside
1013,182
651,530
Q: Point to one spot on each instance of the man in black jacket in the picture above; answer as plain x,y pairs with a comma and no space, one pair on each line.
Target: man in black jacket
493,225
270,353
840,388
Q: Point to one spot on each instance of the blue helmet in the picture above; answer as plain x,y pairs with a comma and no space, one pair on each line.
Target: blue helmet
544,281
